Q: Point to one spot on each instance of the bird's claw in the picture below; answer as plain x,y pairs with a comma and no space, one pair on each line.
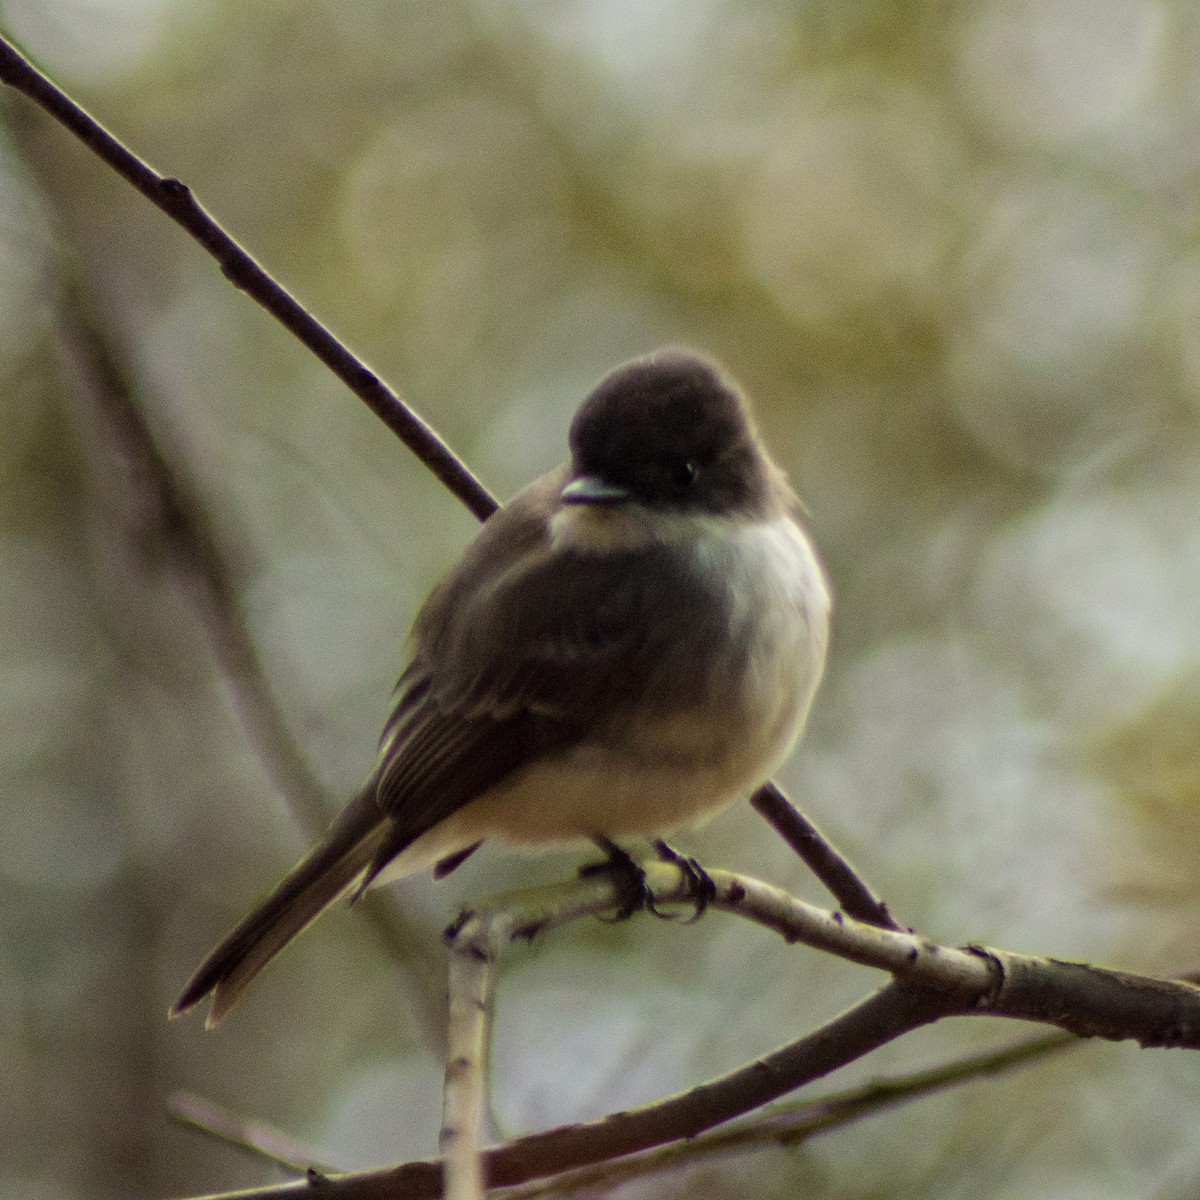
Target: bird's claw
627,875
701,890
635,891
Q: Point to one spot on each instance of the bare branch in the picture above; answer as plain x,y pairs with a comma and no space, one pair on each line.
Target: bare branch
163,512
175,199
253,1137
884,1016
930,982
785,1125
821,857
791,1124
471,989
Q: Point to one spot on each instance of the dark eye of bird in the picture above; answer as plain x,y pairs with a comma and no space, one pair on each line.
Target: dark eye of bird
684,472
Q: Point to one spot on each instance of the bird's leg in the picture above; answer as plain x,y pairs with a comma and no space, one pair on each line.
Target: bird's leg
701,889
629,877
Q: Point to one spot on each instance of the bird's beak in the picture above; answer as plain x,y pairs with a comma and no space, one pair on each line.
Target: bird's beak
591,489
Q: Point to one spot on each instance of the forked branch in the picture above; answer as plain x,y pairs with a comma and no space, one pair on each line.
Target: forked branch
930,982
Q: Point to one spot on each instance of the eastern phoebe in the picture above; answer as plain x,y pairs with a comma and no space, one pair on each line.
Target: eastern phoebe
630,644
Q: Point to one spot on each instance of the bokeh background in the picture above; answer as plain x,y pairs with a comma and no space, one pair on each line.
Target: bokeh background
951,250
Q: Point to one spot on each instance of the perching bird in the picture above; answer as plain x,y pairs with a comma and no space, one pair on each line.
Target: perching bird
630,644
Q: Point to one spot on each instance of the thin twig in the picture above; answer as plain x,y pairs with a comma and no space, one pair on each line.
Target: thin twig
175,199
253,1137
789,1125
821,857
471,991
163,513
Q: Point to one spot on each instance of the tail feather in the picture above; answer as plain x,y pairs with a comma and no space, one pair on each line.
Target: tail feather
301,896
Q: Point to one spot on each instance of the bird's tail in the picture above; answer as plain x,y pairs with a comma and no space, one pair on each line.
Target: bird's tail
330,870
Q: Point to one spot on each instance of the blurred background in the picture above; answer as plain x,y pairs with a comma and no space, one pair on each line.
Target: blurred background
949,248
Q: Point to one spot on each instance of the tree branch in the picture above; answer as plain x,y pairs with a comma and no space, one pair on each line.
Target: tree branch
471,990
785,1125
252,1137
792,1124
879,1019
163,516
821,857
175,199
930,982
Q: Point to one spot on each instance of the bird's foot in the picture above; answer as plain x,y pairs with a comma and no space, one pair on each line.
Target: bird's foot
628,876
635,891
701,890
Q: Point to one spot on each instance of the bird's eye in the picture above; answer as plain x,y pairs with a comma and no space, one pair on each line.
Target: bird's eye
685,472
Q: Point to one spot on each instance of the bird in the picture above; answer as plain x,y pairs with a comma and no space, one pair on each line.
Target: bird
627,647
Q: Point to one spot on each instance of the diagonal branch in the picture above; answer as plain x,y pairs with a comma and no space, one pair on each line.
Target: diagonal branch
882,1017
796,1123
252,1137
162,512
175,199
821,857
785,1125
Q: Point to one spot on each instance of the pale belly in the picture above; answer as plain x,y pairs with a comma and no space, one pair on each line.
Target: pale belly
597,789
670,775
